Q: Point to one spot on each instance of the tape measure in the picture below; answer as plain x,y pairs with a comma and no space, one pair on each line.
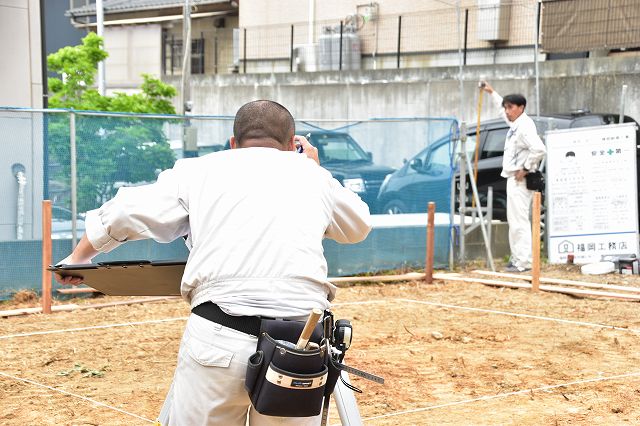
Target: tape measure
361,373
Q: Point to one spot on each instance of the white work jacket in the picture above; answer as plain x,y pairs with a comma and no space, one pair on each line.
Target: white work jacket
255,219
523,148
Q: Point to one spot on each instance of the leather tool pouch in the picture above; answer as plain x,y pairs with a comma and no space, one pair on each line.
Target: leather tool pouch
283,381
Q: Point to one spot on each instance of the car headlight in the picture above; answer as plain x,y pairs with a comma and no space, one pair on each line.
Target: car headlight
354,184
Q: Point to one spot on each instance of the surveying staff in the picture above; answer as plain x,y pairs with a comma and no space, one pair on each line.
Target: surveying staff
255,219
523,152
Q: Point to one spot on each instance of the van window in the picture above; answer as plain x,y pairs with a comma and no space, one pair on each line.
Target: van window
589,121
494,145
423,160
442,156
338,147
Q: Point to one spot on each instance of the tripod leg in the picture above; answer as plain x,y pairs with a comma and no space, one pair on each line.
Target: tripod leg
346,403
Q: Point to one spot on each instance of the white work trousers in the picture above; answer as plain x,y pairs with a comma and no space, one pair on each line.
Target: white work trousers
518,216
208,385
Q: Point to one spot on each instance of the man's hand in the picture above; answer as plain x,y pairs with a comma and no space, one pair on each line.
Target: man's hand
520,174
69,260
307,149
82,254
69,280
486,87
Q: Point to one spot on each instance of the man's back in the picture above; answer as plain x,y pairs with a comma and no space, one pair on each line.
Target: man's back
254,218
257,218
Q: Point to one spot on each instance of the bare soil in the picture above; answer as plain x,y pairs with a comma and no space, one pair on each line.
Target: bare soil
451,353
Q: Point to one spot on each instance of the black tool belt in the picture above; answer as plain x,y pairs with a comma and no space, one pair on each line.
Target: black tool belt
281,380
244,324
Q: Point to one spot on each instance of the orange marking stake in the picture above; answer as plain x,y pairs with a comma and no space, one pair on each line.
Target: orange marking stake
428,270
535,241
46,256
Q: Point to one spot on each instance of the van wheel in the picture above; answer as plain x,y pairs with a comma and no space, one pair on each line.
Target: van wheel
395,207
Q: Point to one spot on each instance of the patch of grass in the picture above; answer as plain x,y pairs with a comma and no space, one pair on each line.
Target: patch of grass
84,370
25,296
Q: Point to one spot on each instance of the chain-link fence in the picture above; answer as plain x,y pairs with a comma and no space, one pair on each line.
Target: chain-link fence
79,160
491,32
469,32
571,26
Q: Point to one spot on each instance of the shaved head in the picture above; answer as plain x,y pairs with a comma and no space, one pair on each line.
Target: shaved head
263,120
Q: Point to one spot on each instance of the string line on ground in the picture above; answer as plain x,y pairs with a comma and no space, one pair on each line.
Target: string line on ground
520,315
505,395
423,302
93,401
94,327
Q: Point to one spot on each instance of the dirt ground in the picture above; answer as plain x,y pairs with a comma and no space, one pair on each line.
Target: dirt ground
451,353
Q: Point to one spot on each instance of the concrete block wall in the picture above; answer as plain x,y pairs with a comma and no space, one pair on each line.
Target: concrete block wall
565,85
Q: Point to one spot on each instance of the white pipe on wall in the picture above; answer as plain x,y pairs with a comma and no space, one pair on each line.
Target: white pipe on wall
19,172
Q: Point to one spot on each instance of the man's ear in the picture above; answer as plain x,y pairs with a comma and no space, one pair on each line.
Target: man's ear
232,142
291,143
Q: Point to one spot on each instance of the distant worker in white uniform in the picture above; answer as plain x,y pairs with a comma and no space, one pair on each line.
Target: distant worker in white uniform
523,153
254,219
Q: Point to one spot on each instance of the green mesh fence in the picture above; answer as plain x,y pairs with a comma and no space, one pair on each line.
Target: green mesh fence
396,165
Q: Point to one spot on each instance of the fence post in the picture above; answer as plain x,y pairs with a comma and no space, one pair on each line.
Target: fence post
536,61
244,61
466,33
74,178
291,53
399,36
428,269
46,256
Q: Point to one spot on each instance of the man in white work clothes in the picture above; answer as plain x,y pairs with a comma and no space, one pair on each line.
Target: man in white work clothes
255,217
523,152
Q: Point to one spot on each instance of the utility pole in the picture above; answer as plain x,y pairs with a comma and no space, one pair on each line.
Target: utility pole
100,30
189,133
460,60
185,92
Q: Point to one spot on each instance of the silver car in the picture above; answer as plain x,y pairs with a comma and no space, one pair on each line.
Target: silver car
61,223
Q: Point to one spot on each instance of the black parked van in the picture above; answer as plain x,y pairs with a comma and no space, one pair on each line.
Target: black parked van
351,165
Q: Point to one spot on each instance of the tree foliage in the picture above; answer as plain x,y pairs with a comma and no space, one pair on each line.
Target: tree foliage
111,151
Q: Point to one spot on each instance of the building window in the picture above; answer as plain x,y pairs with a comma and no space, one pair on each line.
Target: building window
197,55
172,55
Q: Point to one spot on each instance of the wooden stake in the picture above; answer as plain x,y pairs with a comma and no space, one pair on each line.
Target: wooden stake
46,256
561,281
410,276
535,241
549,288
77,290
428,270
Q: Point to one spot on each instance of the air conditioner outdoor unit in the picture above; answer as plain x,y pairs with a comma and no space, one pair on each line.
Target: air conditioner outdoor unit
493,20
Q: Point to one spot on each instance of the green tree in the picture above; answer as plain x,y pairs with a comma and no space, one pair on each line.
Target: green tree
110,150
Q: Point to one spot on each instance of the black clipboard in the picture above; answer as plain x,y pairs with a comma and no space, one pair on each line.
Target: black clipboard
129,277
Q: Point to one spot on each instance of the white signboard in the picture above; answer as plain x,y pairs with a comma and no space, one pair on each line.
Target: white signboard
592,193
